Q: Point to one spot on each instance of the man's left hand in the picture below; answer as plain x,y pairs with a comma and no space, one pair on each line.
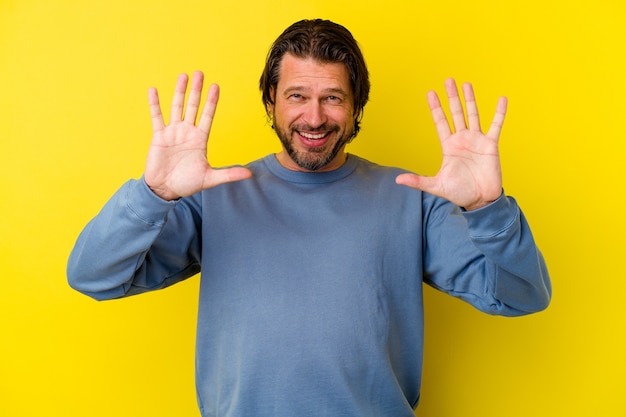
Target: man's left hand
470,175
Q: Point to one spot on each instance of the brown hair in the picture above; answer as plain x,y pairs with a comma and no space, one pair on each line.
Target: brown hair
326,42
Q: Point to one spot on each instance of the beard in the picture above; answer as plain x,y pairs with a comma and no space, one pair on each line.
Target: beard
315,158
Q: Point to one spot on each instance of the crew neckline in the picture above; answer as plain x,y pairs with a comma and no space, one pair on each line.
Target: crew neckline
325,177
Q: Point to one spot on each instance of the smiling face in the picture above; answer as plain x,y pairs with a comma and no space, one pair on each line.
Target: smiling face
313,114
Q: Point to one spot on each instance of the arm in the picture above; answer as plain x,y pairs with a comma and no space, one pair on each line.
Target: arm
148,235
480,247
487,257
138,242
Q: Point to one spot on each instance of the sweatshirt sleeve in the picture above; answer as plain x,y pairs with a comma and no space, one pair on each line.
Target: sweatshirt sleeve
137,243
487,257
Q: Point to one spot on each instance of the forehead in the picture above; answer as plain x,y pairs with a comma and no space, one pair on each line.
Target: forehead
310,73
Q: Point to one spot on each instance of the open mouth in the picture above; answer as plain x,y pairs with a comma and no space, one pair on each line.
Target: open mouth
314,139
313,136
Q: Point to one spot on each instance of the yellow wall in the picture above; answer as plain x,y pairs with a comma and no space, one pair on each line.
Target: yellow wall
75,125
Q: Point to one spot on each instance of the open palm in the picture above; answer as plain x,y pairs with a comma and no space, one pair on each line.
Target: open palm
470,175
177,164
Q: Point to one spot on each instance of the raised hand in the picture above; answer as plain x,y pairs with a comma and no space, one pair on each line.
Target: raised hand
177,164
470,175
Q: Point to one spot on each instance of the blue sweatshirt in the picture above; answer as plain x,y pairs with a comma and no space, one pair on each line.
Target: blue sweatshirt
311,288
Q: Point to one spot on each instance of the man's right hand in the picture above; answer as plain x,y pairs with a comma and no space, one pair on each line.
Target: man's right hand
177,164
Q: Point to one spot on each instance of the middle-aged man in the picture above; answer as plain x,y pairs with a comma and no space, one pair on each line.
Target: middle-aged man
312,268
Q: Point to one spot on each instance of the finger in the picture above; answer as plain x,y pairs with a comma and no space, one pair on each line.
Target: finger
456,108
439,116
473,120
155,110
221,176
208,111
178,102
193,102
498,118
419,182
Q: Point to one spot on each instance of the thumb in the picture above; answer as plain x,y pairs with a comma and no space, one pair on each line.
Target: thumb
419,182
216,177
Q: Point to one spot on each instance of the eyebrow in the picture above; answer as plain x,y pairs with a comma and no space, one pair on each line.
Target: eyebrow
299,89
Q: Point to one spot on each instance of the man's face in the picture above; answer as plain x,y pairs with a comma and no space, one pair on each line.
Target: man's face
313,114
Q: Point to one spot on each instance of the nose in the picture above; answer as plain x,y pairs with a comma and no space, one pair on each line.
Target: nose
314,114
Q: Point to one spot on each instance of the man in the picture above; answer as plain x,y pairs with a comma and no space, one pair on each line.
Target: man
312,268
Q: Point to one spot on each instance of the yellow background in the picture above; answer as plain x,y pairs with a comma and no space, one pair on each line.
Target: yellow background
73,81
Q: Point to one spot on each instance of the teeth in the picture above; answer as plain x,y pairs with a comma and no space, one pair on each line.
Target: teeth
313,136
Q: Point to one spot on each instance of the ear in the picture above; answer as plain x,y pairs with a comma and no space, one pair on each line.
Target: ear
270,105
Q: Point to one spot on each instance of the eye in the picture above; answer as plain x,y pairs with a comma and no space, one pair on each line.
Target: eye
333,99
296,97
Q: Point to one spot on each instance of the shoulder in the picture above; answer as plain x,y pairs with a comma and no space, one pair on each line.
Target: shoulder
374,170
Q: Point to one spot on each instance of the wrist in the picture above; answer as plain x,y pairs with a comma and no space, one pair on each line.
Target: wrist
161,193
477,206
